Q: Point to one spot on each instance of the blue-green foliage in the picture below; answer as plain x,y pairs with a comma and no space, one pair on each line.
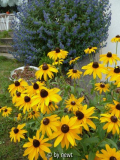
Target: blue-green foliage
72,25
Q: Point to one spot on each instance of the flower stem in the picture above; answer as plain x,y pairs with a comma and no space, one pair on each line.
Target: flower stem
74,87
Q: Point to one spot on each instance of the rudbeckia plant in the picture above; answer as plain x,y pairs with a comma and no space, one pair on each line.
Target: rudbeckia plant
58,121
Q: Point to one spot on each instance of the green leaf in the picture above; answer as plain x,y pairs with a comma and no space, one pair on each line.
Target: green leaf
91,140
91,156
110,141
72,89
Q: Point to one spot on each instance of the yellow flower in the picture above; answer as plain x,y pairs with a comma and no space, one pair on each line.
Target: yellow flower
49,124
46,70
74,74
44,97
6,111
113,123
37,146
114,73
109,58
73,60
73,104
84,117
67,132
115,108
33,114
109,154
57,62
17,133
95,68
34,87
17,86
58,54
16,97
90,50
116,39
50,108
24,102
102,87
104,99
18,117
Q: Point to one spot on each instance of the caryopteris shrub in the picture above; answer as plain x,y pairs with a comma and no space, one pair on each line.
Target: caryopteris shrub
72,25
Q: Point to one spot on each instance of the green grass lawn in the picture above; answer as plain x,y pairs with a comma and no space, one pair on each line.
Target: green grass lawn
8,150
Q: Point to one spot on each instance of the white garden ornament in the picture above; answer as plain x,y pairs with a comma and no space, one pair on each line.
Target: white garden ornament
4,3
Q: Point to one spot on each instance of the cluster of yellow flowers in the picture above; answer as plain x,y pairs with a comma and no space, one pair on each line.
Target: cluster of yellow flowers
36,99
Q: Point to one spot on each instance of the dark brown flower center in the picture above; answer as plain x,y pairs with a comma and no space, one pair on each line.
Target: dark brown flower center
16,130
102,85
114,119
95,65
17,83
109,54
74,71
73,58
35,86
118,36
36,143
65,128
79,115
57,50
117,69
0,107
46,121
33,112
112,158
73,102
50,103
27,99
43,93
18,94
5,110
118,106
45,66
90,47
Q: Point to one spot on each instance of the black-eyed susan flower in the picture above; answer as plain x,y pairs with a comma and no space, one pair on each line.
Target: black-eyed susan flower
17,86
34,87
73,104
109,153
112,123
117,82
115,108
96,69
84,116
57,62
46,70
73,60
6,111
74,73
37,146
17,133
16,97
67,132
58,54
89,50
109,58
104,99
50,108
49,124
114,73
33,114
24,102
18,117
44,96
102,87
116,39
